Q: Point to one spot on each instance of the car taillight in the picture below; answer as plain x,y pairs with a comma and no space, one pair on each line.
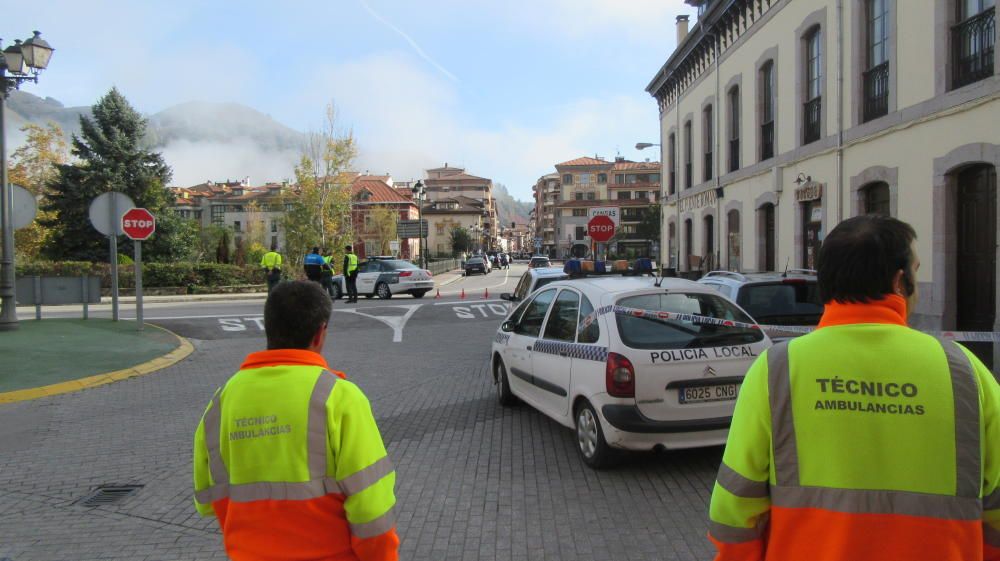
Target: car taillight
405,273
619,376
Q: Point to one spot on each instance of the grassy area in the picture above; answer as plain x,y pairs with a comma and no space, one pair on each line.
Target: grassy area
56,350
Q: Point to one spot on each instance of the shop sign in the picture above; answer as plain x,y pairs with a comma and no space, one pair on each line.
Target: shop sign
809,192
694,202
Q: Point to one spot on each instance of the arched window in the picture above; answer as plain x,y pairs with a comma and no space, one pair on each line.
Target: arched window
708,138
767,246
767,110
734,128
814,93
876,74
567,179
876,197
735,240
688,234
672,243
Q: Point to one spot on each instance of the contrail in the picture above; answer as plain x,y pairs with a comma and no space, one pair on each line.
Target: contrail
409,40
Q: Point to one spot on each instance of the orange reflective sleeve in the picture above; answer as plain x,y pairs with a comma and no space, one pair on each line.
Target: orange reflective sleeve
384,547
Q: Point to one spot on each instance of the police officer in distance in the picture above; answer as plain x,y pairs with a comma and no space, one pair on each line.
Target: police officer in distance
351,274
271,262
864,440
313,265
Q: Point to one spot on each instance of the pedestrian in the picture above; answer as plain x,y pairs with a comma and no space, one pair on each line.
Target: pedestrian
313,265
864,440
288,456
351,274
271,262
327,274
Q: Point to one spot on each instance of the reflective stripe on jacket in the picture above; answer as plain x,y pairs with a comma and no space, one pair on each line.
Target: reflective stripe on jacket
290,460
863,441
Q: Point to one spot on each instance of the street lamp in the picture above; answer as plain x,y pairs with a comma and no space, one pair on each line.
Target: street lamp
419,195
644,145
20,62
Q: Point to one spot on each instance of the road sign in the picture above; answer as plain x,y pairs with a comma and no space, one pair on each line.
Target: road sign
25,207
408,229
611,212
138,223
601,228
394,246
106,212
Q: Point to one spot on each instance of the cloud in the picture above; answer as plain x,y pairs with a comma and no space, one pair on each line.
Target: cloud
196,162
415,121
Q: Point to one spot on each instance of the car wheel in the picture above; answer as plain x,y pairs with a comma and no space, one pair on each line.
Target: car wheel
419,293
382,291
590,441
337,293
504,396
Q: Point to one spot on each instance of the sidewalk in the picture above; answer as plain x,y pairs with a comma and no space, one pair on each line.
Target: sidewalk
62,355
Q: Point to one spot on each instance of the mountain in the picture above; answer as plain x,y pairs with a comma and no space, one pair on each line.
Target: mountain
508,208
23,108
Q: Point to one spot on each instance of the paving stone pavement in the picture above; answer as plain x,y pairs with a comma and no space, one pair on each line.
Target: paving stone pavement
475,481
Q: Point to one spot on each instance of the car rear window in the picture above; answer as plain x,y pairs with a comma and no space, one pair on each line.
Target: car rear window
396,265
789,302
539,262
542,281
653,333
475,260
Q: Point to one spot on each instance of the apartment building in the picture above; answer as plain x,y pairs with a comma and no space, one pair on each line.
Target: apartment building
237,205
448,213
368,195
780,118
448,182
563,201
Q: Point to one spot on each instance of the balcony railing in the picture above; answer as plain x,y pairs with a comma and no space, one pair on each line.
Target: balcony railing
767,140
812,110
734,154
708,165
973,44
876,92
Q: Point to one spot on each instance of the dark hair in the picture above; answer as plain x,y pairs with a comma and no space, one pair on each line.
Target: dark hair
295,311
348,248
860,257
315,249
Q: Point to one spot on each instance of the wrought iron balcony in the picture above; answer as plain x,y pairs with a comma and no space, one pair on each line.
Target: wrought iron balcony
767,140
812,114
876,86
973,44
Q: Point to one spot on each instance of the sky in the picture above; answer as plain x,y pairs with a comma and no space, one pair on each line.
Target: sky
506,89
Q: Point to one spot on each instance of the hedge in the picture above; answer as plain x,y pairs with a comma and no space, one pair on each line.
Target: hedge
153,274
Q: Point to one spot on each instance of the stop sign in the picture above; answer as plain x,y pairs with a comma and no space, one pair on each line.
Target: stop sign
601,228
138,223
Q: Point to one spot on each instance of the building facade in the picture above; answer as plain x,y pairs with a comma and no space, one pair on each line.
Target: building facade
448,182
781,118
445,214
251,212
563,201
369,195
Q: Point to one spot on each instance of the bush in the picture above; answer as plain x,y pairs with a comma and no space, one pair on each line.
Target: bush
153,274
125,259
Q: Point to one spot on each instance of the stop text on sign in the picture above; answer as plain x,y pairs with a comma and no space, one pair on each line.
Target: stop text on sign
601,228
139,223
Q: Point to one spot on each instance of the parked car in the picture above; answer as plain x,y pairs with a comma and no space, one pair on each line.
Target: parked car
476,265
532,280
387,277
623,381
539,261
783,299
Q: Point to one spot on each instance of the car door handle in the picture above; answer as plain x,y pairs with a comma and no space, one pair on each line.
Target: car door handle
529,347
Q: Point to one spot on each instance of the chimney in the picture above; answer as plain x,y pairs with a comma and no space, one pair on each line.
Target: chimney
682,29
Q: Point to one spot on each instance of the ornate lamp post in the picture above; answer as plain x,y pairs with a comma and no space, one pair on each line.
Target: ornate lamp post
21,62
420,195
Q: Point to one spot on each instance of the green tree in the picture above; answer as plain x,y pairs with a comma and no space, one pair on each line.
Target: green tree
649,226
461,240
318,210
383,227
33,166
111,156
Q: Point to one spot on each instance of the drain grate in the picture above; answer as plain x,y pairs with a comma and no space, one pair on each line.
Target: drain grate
107,494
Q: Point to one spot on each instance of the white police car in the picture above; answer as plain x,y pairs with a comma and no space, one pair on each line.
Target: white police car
384,277
532,280
629,362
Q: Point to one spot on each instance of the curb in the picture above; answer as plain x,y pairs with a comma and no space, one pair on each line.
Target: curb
456,279
188,298
69,386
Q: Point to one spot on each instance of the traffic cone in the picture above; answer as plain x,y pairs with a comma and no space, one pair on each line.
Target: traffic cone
463,294
486,294
438,295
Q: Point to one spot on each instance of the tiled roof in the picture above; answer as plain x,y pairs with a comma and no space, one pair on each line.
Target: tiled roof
379,192
466,205
633,166
383,178
585,161
457,177
447,168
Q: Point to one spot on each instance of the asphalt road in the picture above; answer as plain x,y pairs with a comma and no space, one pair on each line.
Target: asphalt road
475,481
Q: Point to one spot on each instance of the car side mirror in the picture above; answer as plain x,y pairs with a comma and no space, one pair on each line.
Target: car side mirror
507,296
507,326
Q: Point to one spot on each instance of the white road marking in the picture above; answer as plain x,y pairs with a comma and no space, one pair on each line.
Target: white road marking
466,302
506,278
395,322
